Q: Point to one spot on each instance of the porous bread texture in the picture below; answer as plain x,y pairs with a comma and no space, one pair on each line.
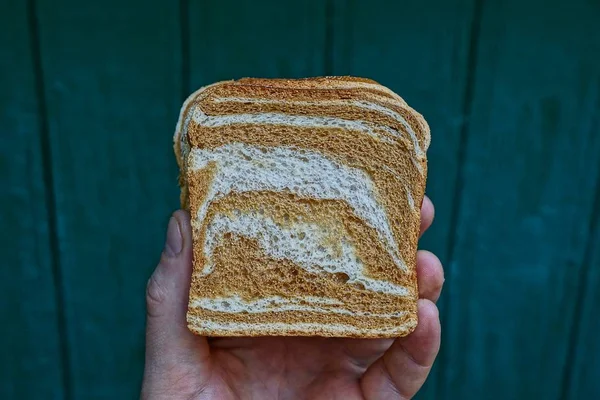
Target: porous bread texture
305,200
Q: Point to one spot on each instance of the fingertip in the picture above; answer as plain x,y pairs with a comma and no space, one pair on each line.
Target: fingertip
427,214
183,218
428,313
427,204
184,221
429,322
430,275
182,214
424,343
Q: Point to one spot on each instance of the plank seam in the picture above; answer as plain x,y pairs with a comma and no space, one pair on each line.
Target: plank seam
472,55
184,25
582,293
49,196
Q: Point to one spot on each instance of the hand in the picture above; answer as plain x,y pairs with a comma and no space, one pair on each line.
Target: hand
181,365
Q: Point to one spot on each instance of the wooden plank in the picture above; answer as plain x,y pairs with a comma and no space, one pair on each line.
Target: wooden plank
583,364
420,49
529,178
112,73
31,348
231,39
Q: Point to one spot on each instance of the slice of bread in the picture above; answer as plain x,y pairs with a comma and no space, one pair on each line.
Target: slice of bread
305,199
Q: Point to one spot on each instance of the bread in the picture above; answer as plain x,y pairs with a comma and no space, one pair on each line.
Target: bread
305,200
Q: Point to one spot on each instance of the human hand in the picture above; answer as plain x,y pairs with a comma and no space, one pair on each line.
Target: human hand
181,365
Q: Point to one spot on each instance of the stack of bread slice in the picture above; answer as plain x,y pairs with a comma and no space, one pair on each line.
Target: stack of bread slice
305,200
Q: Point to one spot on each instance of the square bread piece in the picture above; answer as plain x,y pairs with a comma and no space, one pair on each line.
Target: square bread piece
305,200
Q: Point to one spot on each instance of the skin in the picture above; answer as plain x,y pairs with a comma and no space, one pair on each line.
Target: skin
181,365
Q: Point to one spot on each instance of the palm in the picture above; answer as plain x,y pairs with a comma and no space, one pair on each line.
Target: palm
313,368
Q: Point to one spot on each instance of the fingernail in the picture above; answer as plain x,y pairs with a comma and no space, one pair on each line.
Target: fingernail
174,241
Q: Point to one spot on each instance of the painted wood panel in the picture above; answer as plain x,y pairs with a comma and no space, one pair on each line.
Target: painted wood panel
233,39
512,93
528,186
112,86
31,345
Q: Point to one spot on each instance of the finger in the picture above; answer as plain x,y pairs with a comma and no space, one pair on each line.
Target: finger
167,338
402,370
427,214
430,275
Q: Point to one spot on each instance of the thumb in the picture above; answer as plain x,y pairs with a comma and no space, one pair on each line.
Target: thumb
168,340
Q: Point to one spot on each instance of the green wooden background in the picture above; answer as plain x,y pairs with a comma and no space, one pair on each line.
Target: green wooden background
90,92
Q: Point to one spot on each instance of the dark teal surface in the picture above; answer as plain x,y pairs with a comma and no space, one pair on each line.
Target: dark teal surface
90,93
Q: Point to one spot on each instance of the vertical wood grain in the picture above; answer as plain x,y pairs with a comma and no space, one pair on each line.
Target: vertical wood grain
112,88
420,49
529,180
31,363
